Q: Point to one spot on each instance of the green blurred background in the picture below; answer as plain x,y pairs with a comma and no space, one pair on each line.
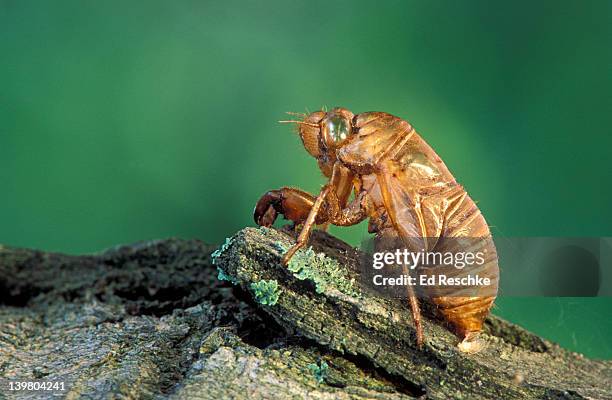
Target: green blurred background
125,121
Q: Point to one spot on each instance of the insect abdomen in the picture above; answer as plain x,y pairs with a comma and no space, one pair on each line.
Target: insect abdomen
464,314
466,230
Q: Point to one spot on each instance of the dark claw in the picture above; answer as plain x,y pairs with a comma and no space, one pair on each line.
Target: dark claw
267,208
268,218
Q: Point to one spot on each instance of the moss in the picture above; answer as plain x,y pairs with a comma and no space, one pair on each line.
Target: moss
319,371
266,292
323,271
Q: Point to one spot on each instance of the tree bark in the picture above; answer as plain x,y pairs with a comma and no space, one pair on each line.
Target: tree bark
152,320
515,363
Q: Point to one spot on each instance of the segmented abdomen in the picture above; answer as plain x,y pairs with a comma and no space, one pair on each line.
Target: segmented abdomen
465,230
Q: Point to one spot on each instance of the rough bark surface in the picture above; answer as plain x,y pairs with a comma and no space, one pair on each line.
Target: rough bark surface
153,320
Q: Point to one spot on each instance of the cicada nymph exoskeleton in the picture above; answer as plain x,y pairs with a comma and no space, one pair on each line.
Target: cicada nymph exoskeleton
406,191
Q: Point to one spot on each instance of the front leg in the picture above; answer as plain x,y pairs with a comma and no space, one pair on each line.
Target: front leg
329,206
308,224
293,204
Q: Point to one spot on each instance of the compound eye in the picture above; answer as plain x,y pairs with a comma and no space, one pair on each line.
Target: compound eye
338,128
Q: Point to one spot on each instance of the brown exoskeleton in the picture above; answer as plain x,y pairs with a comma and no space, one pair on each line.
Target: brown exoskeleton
400,183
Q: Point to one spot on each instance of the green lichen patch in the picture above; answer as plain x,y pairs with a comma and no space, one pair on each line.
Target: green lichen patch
224,276
323,271
217,253
319,371
266,292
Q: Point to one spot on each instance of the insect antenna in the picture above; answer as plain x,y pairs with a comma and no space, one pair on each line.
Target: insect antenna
299,122
296,114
